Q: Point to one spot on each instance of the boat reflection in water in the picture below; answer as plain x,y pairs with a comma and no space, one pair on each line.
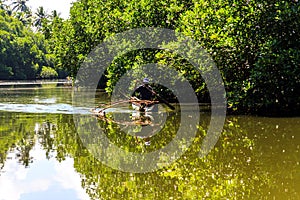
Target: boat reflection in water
147,126
137,124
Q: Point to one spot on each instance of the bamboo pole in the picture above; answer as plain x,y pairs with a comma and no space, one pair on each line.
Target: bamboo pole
133,100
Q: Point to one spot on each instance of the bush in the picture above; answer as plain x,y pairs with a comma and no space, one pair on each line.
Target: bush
48,73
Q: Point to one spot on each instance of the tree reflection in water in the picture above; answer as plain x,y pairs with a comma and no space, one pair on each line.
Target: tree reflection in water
254,158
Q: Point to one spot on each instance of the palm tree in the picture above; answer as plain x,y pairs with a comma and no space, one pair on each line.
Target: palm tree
40,16
22,11
20,5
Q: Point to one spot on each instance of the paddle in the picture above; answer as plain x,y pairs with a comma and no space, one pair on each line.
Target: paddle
164,101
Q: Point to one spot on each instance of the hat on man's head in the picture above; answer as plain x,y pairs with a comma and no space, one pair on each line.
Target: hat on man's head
146,80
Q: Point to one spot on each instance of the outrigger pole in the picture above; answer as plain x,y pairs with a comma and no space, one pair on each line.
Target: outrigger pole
135,100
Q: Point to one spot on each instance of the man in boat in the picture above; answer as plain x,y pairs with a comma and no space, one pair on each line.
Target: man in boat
144,93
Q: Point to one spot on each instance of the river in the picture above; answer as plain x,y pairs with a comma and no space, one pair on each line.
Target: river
44,156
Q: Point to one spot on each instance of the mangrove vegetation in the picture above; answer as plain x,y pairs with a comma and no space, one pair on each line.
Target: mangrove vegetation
255,45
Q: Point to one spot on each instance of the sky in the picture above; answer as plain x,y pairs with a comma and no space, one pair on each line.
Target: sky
61,6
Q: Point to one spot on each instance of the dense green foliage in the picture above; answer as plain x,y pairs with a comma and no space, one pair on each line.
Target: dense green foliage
255,45
24,52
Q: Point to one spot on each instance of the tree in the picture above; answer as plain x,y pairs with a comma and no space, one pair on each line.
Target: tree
253,43
20,6
40,16
275,77
23,52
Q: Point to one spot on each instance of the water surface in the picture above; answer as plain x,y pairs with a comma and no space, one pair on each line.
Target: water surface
42,156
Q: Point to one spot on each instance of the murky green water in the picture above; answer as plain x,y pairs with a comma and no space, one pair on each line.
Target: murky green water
43,157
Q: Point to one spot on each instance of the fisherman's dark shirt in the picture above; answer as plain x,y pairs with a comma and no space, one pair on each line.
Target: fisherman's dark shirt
143,92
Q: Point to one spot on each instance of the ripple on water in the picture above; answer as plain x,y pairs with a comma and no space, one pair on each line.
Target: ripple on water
42,108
